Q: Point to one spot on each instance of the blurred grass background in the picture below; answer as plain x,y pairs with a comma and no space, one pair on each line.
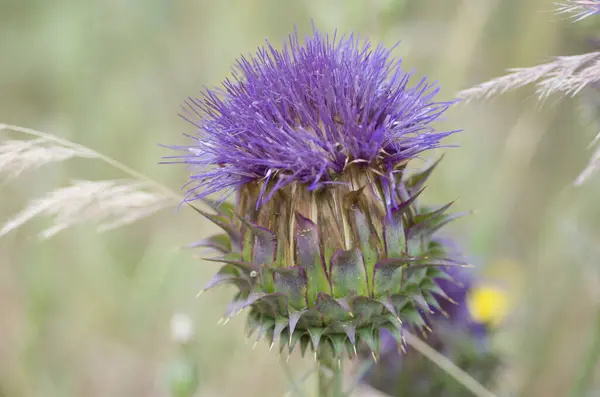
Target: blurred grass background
88,315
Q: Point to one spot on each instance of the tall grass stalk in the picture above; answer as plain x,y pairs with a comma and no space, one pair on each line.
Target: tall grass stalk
588,366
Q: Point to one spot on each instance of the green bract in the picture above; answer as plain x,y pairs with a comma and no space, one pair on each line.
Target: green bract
330,268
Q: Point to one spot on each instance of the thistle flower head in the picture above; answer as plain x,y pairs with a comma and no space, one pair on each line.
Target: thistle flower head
326,243
306,113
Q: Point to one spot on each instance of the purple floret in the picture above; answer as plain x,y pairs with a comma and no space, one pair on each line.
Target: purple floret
304,113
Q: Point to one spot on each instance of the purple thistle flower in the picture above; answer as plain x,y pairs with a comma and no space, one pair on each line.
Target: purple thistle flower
305,113
327,242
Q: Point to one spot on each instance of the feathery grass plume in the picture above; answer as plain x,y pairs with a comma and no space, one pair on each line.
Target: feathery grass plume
110,203
579,9
327,243
18,156
566,75
462,335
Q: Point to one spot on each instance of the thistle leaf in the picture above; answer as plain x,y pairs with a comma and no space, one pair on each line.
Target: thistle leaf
309,257
368,243
394,235
371,337
330,310
291,283
416,182
315,337
348,274
387,279
219,242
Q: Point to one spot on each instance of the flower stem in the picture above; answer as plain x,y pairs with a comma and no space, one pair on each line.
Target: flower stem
588,366
451,369
330,373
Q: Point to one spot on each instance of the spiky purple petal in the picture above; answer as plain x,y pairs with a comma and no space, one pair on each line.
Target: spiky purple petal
303,113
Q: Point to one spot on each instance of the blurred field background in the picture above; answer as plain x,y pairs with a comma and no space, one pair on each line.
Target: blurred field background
85,314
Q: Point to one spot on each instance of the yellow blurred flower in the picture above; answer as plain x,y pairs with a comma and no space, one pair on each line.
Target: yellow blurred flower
488,304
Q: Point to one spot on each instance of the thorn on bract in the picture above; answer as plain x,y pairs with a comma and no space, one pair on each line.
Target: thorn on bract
374,357
403,348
